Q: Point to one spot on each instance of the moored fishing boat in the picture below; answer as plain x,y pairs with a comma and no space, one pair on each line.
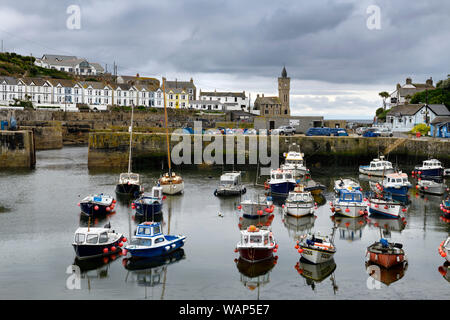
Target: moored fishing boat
97,242
260,207
377,167
97,204
149,241
149,204
350,203
429,168
230,184
316,248
256,244
344,184
386,254
396,183
444,249
383,204
299,202
281,182
295,163
429,185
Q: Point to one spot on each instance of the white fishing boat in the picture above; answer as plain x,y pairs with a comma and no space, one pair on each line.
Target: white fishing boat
230,184
386,206
316,248
447,172
344,184
258,207
396,183
170,182
432,186
299,202
350,203
295,163
377,167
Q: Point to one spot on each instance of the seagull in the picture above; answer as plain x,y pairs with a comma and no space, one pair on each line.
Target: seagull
220,214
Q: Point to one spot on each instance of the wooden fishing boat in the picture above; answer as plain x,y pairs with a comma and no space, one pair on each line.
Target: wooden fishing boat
316,248
256,244
385,254
384,204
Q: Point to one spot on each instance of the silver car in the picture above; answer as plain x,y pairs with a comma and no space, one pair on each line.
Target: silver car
384,132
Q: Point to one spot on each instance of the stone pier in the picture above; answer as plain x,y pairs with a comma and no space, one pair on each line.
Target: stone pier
17,149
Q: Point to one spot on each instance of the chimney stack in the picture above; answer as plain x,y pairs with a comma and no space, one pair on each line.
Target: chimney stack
408,80
429,81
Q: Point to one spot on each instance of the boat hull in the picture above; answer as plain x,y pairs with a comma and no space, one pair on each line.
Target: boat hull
431,188
156,251
171,189
228,192
88,209
282,188
132,190
376,173
386,260
255,254
400,191
298,211
85,251
147,210
316,256
354,211
436,172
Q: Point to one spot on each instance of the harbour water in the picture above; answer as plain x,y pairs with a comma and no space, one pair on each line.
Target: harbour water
39,214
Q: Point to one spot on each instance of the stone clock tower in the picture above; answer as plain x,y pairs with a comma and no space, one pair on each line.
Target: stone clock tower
284,86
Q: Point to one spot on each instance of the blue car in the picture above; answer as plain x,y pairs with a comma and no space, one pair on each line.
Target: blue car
338,132
370,134
318,132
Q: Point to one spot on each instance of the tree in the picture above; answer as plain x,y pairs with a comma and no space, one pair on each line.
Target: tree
384,95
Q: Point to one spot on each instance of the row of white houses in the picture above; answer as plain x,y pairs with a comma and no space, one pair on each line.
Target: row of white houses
66,94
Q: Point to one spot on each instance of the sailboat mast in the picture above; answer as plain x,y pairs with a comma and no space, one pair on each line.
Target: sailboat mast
167,129
131,138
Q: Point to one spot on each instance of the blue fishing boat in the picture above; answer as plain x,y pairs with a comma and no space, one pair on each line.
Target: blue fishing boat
350,203
281,182
97,204
149,241
149,204
396,183
429,168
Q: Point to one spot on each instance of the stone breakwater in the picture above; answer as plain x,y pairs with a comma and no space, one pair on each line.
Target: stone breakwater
110,149
17,149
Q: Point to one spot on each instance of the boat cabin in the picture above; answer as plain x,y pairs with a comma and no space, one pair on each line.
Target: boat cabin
293,157
281,175
149,229
156,193
380,164
432,163
91,236
300,197
350,195
231,179
256,237
396,178
129,177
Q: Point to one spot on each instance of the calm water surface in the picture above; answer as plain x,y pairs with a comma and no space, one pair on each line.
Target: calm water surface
39,214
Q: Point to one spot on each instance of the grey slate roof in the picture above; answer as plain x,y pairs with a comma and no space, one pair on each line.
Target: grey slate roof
404,110
8,80
179,84
439,109
223,94
441,119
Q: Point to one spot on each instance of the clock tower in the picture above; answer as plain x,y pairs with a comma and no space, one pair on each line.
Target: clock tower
284,86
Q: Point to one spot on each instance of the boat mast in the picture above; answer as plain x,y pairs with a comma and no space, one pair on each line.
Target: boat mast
167,129
131,137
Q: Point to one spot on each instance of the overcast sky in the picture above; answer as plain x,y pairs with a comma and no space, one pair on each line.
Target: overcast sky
337,65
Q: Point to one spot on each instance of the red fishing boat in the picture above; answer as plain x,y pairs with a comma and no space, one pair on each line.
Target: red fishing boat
386,254
256,244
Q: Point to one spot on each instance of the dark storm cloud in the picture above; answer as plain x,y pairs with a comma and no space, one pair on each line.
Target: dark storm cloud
317,40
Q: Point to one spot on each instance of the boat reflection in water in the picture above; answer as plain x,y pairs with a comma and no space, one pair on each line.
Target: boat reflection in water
386,276
96,268
316,273
444,270
150,272
255,275
263,222
156,217
349,228
387,225
298,226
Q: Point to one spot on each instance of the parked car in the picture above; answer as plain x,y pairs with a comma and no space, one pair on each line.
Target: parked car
318,132
360,130
284,130
338,132
371,133
384,132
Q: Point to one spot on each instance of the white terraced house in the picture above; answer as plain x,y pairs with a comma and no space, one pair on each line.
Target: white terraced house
215,105
70,64
39,91
159,98
122,95
9,90
232,101
97,94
